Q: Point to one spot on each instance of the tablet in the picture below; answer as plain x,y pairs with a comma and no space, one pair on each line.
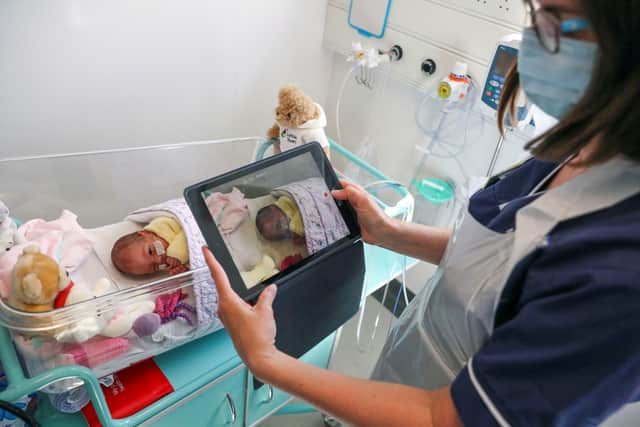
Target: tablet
269,219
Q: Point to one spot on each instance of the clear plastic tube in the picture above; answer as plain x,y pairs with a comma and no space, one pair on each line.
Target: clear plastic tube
435,134
339,102
405,217
370,77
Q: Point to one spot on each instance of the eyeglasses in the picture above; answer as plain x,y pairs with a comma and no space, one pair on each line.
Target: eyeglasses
549,27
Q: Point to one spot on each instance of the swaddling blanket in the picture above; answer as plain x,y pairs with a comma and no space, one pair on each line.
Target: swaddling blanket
323,223
204,288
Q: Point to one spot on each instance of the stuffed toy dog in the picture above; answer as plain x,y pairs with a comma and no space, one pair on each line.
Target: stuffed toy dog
298,120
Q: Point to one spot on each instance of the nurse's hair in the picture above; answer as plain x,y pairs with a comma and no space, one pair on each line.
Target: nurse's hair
610,107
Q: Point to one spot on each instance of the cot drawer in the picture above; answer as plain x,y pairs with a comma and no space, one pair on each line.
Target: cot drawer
267,400
220,403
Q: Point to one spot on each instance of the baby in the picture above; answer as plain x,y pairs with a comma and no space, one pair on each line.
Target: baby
161,245
281,220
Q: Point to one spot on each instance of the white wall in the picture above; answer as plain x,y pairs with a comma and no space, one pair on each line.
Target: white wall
94,74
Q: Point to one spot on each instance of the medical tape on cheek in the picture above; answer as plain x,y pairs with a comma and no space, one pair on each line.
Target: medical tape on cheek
160,251
159,247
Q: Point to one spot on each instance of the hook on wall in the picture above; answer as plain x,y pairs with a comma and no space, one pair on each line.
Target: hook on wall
368,59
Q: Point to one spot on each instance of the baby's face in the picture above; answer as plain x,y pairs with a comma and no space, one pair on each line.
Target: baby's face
141,257
275,225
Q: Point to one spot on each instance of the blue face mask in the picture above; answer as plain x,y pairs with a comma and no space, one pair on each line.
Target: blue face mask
555,82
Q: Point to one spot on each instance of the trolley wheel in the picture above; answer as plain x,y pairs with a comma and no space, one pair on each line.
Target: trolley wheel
329,421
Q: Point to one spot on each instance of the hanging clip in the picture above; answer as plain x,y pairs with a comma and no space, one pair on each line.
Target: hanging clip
368,59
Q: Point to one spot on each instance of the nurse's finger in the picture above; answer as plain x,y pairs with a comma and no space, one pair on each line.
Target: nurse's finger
225,292
346,183
344,192
348,191
340,194
355,196
265,301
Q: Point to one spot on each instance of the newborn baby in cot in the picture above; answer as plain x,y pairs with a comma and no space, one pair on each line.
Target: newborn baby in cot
160,246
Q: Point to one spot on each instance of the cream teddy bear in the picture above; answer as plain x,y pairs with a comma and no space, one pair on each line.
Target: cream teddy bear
37,280
298,120
40,284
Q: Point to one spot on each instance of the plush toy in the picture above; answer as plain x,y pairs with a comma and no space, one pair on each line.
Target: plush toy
9,234
147,324
40,284
112,323
124,318
37,280
90,324
298,120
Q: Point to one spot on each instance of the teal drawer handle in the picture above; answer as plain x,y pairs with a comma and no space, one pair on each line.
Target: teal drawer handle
269,394
232,409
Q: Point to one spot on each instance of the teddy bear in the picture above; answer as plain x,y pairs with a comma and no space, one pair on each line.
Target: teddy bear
298,120
37,280
9,234
40,284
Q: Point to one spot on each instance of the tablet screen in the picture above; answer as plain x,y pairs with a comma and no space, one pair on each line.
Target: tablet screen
273,218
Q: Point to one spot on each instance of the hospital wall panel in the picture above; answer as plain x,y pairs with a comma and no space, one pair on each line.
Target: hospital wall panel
380,123
464,30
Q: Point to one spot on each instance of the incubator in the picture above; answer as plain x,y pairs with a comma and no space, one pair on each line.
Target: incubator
101,190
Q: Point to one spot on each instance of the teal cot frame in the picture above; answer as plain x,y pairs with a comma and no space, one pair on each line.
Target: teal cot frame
211,358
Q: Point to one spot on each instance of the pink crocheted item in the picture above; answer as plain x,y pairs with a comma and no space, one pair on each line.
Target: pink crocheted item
170,306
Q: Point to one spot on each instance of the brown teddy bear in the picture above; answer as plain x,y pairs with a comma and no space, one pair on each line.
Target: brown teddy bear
298,120
40,284
37,281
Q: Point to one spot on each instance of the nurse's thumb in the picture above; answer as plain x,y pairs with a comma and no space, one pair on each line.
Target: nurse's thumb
266,298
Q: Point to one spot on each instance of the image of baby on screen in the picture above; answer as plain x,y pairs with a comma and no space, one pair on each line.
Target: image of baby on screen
280,221
276,228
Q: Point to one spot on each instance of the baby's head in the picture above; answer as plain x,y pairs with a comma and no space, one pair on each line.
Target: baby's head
273,223
139,253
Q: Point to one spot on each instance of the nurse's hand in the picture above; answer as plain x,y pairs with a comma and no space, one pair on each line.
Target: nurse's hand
375,225
252,328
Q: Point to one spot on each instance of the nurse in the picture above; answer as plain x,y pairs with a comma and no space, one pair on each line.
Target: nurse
533,316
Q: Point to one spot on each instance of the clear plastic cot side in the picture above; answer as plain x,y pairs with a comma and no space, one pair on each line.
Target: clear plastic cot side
102,188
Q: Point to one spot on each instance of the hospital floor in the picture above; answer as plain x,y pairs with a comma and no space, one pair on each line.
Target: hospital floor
348,359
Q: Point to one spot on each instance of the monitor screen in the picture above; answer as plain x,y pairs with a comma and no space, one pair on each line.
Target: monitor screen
503,62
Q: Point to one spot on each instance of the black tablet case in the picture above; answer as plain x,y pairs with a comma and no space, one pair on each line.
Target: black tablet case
318,299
